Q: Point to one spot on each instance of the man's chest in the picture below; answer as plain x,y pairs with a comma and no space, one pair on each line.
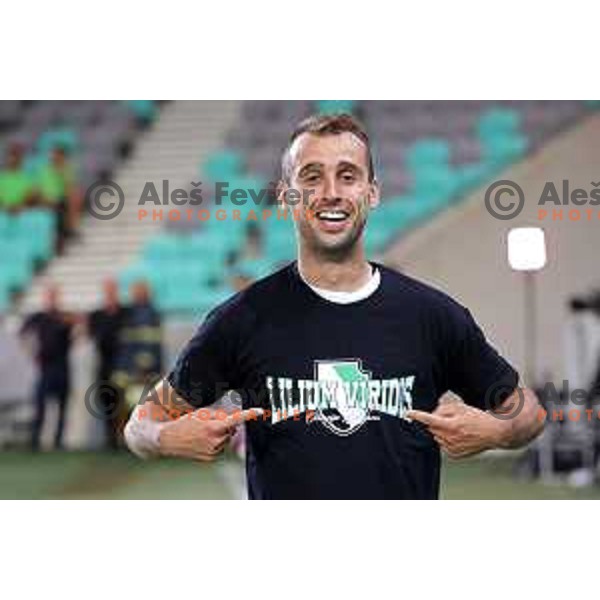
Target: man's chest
343,377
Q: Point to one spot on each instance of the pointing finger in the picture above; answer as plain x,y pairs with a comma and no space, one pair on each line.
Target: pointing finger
237,418
426,418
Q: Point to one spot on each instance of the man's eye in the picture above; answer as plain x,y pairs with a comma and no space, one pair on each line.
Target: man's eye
311,178
348,177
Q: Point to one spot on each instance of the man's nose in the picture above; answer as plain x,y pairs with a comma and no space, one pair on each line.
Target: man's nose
330,189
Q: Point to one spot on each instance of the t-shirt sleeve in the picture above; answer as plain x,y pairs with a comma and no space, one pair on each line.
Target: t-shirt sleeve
206,367
475,370
29,324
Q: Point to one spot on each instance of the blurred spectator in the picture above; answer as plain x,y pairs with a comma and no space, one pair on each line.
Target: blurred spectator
51,331
17,187
239,281
140,340
59,190
104,327
253,247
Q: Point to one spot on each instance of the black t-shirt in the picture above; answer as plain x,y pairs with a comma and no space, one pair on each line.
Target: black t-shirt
52,333
105,326
344,375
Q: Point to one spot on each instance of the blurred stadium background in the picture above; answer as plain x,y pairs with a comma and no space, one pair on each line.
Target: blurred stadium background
435,161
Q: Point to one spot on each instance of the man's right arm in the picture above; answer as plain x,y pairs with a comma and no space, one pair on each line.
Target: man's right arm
164,424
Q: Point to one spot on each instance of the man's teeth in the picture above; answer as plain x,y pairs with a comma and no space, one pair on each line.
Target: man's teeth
332,215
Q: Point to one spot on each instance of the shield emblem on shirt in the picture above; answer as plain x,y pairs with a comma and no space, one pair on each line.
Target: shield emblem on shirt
347,408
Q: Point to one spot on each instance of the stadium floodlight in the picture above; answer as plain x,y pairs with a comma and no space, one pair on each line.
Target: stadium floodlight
526,249
527,254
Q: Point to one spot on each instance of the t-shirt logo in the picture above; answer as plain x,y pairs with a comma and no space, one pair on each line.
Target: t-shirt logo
345,415
342,396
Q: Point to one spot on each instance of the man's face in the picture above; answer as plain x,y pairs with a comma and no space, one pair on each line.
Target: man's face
332,172
111,292
58,157
51,298
14,158
140,293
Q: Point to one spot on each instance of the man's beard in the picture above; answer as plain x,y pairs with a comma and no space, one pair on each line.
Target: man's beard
337,252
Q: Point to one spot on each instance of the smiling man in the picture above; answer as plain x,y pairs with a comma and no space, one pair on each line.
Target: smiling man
346,359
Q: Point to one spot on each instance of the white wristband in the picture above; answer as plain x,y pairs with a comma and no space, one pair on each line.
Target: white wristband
142,433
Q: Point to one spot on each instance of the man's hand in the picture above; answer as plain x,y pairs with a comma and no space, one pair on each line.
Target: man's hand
200,439
461,430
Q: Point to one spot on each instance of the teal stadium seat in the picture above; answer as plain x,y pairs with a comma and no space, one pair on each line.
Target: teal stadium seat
190,297
17,265
143,109
503,149
4,299
256,268
498,121
64,137
139,272
37,231
440,182
327,107
427,152
223,165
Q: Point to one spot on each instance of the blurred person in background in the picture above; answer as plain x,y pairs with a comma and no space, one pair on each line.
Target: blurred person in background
239,281
50,332
17,186
104,327
60,192
139,357
253,247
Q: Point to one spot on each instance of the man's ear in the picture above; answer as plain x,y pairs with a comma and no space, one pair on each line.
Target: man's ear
280,191
374,194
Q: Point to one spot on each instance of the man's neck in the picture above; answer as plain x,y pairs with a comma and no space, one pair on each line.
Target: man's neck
347,275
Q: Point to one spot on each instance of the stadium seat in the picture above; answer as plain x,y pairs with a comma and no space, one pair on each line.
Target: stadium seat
65,137
498,121
4,298
504,148
428,152
335,106
223,165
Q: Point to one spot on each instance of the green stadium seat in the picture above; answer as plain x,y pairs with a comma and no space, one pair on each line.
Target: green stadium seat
164,247
327,107
4,299
139,272
15,274
6,225
256,268
437,181
223,165
64,137
37,221
473,175
498,121
143,109
192,298
502,149
210,244
428,152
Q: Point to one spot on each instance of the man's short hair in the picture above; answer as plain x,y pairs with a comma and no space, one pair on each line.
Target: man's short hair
332,124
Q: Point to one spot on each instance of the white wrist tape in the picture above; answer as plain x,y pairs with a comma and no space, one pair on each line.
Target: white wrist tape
142,433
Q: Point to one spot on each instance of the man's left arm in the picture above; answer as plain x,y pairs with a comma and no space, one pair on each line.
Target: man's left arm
462,430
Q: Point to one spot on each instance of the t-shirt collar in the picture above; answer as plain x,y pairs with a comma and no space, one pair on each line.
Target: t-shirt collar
368,289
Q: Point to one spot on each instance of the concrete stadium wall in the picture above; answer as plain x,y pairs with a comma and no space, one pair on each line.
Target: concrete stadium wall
464,251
